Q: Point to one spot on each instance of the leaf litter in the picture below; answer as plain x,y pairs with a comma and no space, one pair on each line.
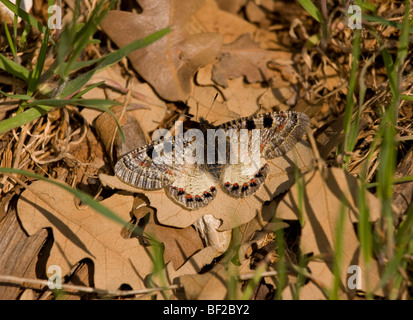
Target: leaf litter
244,54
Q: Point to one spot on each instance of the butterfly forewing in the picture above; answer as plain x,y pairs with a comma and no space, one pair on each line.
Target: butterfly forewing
279,131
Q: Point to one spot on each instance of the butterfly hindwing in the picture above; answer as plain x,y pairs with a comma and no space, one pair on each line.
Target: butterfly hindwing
194,188
239,181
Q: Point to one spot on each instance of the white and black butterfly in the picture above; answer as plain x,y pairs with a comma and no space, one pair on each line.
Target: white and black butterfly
194,185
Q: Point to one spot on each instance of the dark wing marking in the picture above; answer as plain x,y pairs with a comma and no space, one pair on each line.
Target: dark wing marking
152,166
279,131
239,181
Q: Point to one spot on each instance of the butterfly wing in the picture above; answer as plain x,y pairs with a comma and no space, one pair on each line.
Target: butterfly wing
194,188
278,133
150,167
155,166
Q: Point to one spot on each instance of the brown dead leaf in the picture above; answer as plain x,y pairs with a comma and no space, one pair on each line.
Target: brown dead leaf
107,130
256,14
231,6
245,58
179,244
207,227
144,105
202,104
80,234
241,98
169,63
208,286
256,230
233,212
330,78
323,197
210,18
191,267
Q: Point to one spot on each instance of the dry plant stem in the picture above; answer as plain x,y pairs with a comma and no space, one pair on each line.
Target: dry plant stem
27,283
315,150
22,137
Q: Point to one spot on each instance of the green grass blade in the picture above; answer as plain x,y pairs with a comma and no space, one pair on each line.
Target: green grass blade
91,103
386,22
82,37
338,252
38,108
84,197
138,44
281,267
84,91
311,9
14,68
9,39
348,128
17,96
406,97
114,57
23,118
38,69
252,284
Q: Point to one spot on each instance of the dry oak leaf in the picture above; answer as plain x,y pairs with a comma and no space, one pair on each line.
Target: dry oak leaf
207,286
179,244
323,198
210,18
245,58
84,233
242,98
169,63
192,266
202,104
232,211
144,104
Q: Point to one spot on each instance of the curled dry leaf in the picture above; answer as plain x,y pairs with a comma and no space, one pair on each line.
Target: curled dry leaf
108,132
207,227
231,211
257,230
169,63
83,233
323,198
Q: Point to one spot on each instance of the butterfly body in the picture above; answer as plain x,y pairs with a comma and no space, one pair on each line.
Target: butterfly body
193,169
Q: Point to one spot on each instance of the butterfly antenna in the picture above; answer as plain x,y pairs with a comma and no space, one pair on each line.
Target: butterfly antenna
210,108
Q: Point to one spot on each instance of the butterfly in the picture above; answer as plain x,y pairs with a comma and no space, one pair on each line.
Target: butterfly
171,162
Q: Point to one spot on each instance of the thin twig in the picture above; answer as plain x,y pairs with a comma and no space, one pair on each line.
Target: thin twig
26,282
